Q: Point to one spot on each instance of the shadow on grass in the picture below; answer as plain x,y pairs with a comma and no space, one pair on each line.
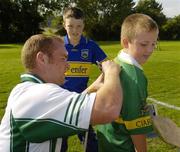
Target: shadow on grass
7,47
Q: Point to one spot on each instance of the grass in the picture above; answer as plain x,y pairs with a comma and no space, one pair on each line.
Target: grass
10,68
162,70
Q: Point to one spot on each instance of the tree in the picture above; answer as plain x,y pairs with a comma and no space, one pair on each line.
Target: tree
113,14
153,9
103,18
171,29
8,12
20,19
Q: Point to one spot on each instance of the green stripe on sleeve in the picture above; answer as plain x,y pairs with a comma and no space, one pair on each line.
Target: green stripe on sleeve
17,141
52,146
68,109
77,118
73,109
40,130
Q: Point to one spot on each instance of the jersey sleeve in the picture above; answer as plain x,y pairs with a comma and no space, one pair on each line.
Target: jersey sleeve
98,53
46,111
134,115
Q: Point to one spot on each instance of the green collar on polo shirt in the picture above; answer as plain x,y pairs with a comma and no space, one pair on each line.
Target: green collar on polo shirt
32,78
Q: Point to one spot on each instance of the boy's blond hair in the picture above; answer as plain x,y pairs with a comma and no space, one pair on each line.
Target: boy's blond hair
136,23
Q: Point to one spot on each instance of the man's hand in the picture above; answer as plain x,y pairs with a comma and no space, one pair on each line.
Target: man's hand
110,66
96,84
106,66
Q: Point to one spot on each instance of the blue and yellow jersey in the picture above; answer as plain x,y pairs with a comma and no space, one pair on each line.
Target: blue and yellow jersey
80,59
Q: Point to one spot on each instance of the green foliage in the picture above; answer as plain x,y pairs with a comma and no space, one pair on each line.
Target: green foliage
6,19
153,9
103,18
20,19
53,25
50,31
171,28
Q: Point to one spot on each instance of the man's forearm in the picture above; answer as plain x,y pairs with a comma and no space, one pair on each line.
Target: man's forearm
108,99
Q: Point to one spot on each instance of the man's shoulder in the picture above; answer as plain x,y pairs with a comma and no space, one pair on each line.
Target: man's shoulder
32,87
130,68
131,73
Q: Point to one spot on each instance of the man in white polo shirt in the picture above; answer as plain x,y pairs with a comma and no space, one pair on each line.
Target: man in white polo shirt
39,112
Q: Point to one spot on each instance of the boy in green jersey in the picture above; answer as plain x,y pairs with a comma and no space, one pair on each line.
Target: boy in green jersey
139,35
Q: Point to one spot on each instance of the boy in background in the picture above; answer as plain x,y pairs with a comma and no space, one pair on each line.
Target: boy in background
139,35
82,53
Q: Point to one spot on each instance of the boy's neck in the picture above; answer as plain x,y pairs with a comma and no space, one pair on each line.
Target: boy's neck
74,42
124,54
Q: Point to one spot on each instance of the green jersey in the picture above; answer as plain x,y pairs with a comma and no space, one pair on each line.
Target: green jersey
133,119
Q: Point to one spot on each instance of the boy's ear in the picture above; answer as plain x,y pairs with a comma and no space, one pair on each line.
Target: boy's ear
64,25
83,25
125,42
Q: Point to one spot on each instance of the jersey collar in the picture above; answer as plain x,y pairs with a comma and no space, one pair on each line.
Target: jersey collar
123,56
32,78
66,39
83,40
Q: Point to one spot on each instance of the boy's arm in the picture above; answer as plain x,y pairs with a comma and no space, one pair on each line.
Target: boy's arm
139,142
98,54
